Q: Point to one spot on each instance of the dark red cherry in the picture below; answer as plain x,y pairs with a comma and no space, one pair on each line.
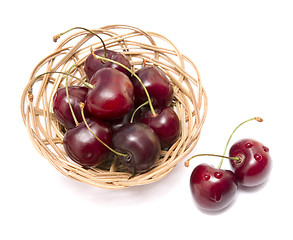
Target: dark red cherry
165,124
93,64
157,85
212,189
141,145
255,162
83,148
112,95
61,107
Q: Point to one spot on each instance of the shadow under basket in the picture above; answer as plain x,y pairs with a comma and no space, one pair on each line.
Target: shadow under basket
140,47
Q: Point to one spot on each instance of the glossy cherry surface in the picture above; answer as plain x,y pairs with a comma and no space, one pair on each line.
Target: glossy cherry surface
93,64
112,96
83,148
61,107
157,85
165,124
255,164
140,143
212,189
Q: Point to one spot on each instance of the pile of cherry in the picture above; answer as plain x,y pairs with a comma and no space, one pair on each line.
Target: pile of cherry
117,112
214,189
126,115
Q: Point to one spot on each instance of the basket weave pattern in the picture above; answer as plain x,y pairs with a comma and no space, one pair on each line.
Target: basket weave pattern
140,47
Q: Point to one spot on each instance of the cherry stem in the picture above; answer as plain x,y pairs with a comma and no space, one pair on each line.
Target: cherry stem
68,99
56,37
86,124
132,117
133,73
251,119
186,163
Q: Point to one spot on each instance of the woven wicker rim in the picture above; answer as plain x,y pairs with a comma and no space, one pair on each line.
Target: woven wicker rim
190,100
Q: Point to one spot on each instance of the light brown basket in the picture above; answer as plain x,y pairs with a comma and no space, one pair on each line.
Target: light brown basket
190,100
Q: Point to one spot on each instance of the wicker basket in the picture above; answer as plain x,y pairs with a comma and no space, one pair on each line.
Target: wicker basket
190,100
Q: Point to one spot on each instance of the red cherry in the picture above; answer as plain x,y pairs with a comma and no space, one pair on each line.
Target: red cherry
112,95
213,189
255,162
157,85
165,124
93,64
141,145
61,107
83,148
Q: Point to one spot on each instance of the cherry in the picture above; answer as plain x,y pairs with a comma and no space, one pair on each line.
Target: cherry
61,106
83,147
93,64
213,189
140,144
112,95
255,162
157,85
165,124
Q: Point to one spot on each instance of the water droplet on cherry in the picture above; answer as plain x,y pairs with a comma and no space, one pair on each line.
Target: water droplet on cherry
218,175
206,177
248,144
266,149
257,157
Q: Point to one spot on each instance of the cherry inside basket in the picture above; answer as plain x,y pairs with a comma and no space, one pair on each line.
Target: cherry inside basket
141,48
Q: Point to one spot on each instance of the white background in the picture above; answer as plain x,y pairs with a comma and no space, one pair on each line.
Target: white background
244,52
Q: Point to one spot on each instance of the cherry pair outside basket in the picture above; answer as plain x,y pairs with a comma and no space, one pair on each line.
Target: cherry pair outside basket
140,47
